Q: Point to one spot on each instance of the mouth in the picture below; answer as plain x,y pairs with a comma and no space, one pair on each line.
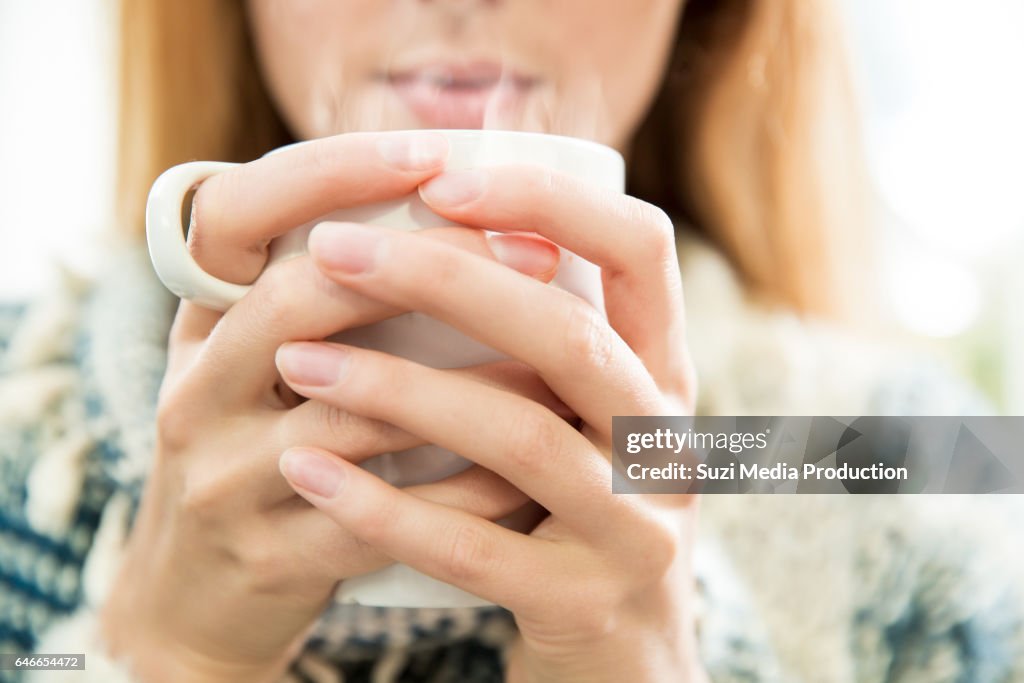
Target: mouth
473,95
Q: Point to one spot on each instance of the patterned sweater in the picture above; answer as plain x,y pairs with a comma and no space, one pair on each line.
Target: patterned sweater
818,589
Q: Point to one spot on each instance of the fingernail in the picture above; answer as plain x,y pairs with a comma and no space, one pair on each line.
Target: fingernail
311,364
528,255
345,247
313,471
453,187
413,151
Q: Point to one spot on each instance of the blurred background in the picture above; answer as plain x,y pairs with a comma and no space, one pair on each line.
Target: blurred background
942,106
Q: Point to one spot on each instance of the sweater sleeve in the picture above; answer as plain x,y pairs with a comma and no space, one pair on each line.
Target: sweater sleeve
79,633
67,488
943,598
733,640
55,495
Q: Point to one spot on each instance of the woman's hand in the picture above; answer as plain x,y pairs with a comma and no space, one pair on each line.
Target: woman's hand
601,589
226,568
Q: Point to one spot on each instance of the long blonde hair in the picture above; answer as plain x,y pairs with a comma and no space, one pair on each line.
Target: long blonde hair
752,140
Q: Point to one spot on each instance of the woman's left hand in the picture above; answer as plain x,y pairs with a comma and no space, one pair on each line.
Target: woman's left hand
602,588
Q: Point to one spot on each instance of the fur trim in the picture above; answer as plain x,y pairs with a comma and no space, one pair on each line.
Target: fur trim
46,333
55,483
127,322
101,564
80,633
26,396
732,642
314,669
755,359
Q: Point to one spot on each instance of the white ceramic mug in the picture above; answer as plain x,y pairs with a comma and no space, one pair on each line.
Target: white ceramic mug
411,335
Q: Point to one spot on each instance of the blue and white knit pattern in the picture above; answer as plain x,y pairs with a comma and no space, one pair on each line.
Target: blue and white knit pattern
44,539
806,588
81,370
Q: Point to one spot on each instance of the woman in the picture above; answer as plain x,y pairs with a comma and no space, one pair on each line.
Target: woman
243,500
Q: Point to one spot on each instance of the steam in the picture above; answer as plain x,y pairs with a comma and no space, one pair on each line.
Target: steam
576,109
564,98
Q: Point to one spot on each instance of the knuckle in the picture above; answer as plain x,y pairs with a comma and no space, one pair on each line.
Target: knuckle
212,193
338,423
354,435
595,622
543,180
356,552
659,235
514,376
446,270
203,495
212,226
275,294
332,163
376,526
541,184
470,554
592,610
265,569
658,546
589,343
284,297
533,441
680,393
174,422
368,382
325,158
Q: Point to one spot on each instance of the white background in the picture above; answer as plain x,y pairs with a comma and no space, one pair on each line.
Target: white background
942,100
57,99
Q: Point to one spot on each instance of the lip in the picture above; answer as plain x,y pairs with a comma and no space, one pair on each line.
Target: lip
460,94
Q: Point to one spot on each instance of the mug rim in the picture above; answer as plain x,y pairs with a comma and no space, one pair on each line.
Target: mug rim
581,143
179,272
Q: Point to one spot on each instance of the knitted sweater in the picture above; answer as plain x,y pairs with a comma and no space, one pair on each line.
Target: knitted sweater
819,589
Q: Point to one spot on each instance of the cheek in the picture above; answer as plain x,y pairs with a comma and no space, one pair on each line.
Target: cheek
627,44
284,58
309,54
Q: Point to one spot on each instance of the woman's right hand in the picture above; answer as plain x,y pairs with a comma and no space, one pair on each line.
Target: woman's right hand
226,568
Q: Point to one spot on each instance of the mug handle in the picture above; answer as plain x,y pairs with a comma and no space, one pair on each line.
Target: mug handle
168,250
